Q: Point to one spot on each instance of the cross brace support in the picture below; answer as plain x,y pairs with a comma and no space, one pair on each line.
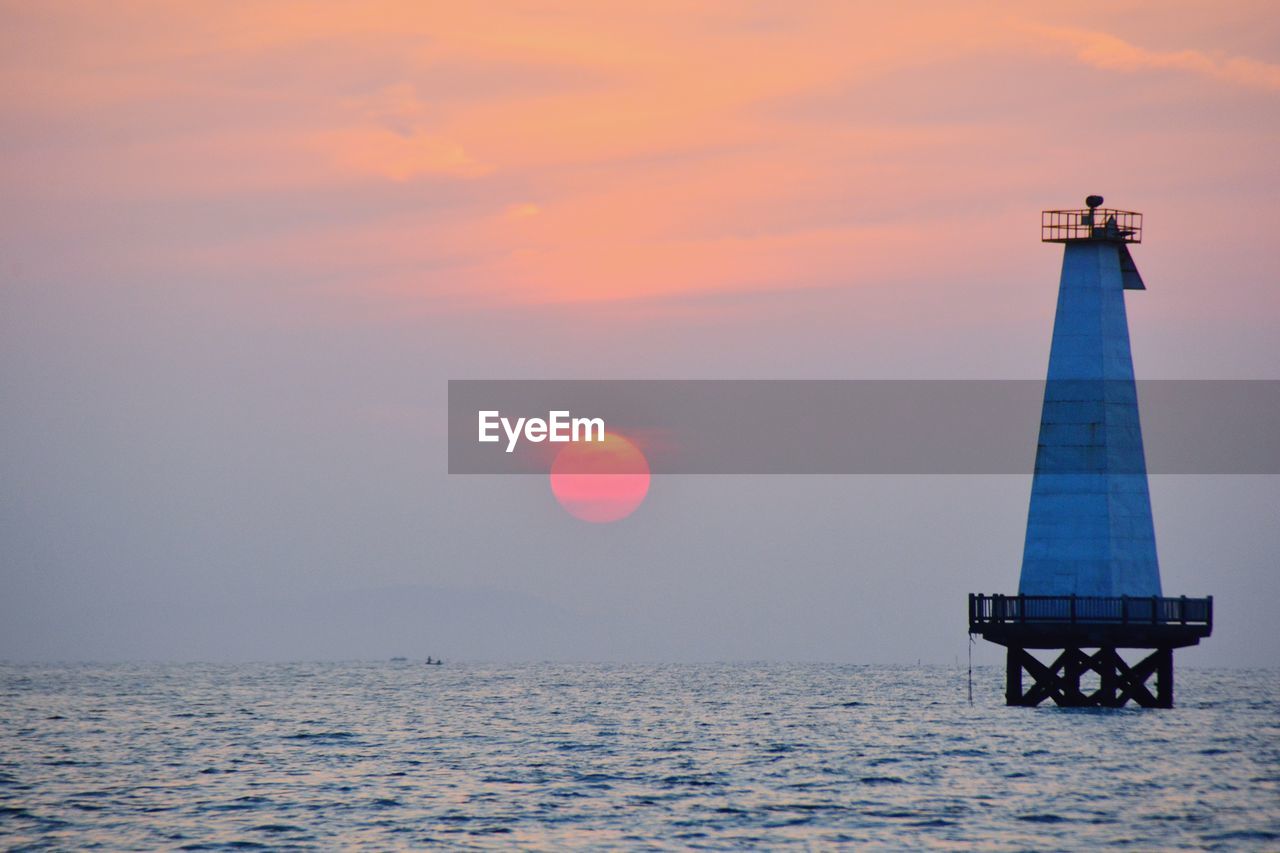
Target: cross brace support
1118,681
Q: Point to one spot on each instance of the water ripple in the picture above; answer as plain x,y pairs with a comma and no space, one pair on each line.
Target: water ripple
207,757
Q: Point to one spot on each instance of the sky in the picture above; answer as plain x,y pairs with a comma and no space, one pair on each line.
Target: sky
243,246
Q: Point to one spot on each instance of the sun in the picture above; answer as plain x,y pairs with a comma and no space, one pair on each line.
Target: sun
600,481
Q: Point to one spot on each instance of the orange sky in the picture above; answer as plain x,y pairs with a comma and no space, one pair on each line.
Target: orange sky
436,155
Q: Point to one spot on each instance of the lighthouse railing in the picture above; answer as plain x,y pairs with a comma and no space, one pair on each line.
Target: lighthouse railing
1102,223
1080,609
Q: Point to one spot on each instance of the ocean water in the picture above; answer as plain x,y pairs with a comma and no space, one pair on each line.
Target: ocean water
386,755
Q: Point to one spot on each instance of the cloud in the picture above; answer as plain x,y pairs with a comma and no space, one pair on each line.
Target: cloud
521,211
1112,53
399,156
586,153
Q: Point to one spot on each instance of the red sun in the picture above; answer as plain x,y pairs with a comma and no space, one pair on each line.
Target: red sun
600,481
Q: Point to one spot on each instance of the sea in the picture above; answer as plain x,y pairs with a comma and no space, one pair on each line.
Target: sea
392,755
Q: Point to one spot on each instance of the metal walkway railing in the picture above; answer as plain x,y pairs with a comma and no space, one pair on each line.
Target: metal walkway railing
1102,223
1085,609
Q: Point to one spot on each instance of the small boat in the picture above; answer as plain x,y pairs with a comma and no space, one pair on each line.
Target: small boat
398,659
433,662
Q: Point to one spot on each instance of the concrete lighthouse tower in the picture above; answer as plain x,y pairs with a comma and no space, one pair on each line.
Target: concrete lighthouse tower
1090,576
1089,531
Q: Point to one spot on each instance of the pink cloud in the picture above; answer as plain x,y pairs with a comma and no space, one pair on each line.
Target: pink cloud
1106,51
588,153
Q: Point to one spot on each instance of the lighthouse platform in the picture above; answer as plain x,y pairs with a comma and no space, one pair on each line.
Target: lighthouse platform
1055,621
1076,623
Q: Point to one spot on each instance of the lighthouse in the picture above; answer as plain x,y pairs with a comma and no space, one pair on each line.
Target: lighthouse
1090,579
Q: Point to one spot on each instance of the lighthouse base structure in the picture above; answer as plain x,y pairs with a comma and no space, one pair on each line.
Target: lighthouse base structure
1117,681
1084,636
